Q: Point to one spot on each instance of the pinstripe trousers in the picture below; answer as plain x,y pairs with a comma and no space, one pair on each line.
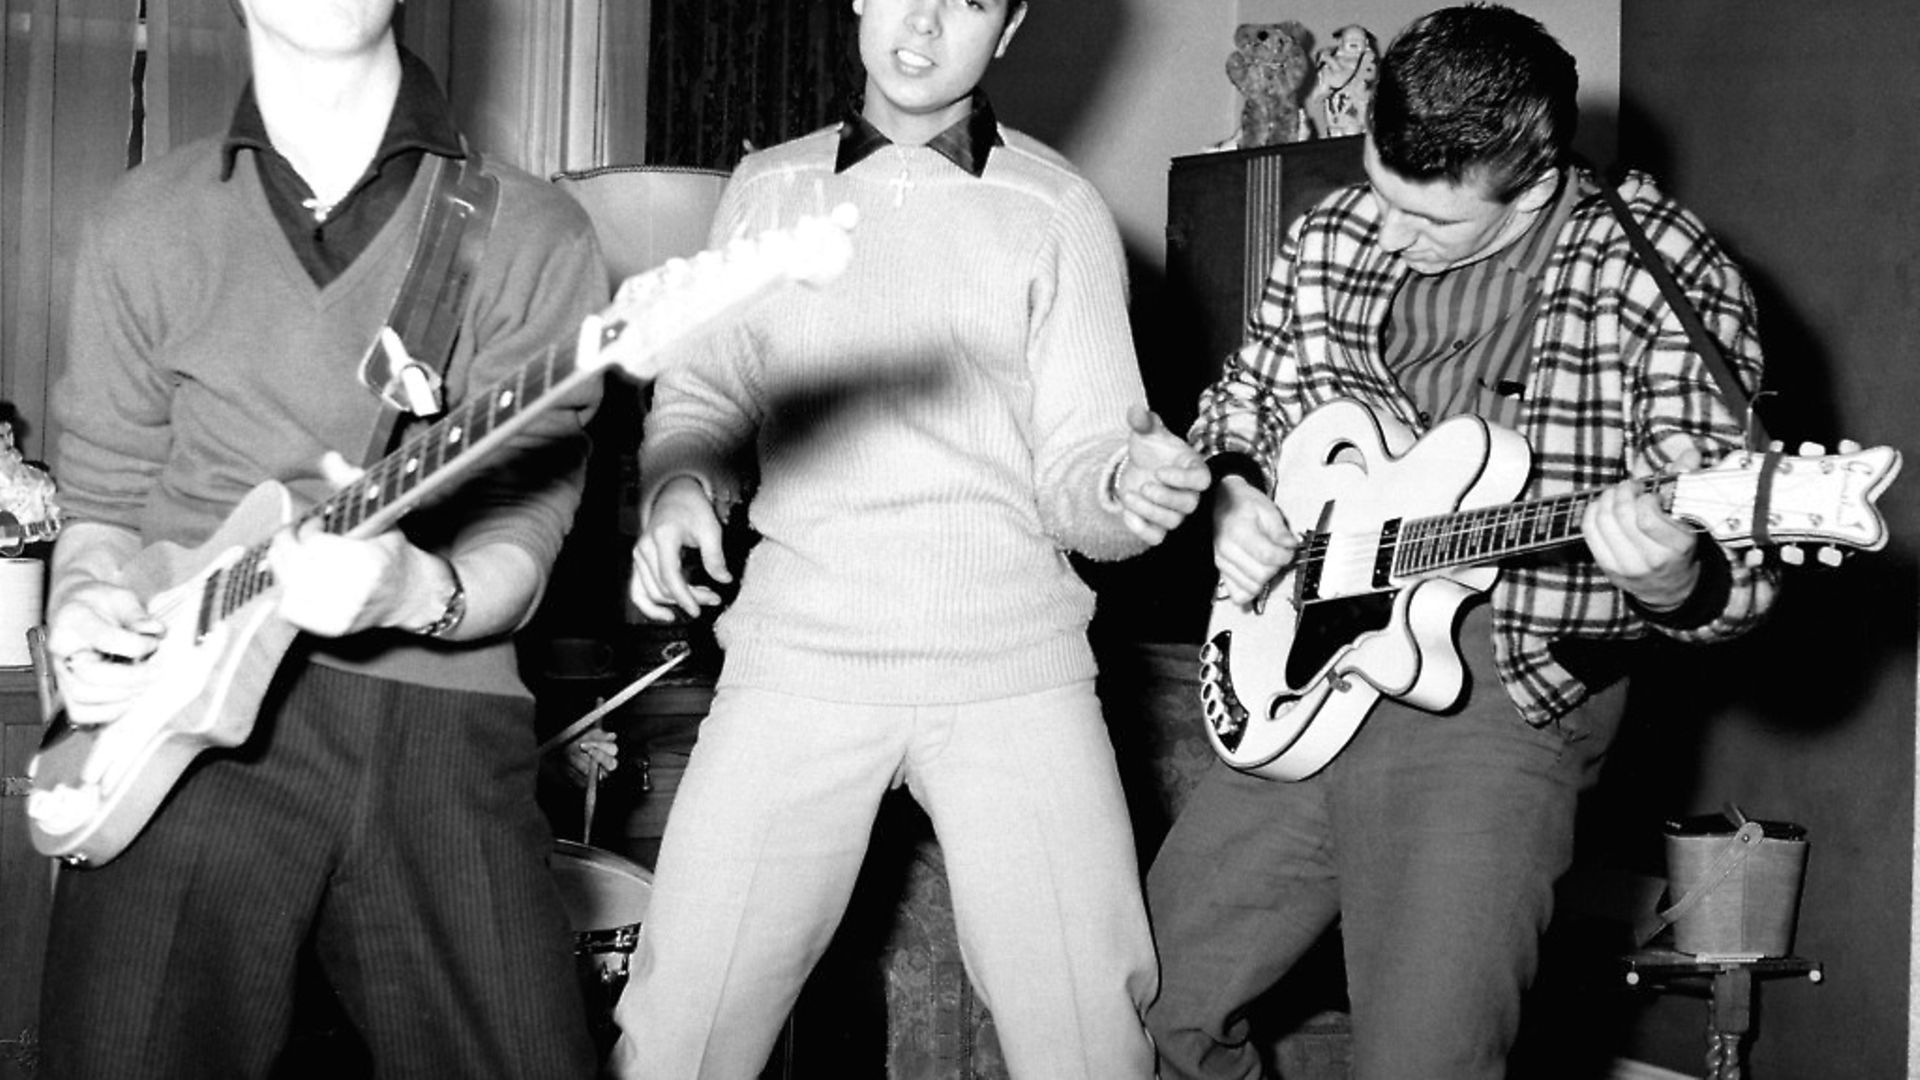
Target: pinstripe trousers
390,826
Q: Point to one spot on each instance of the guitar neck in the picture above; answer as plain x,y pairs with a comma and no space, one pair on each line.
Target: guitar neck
1487,535
431,459
651,313
426,462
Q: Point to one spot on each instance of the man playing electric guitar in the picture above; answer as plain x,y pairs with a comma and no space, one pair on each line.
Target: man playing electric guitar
1476,273
382,812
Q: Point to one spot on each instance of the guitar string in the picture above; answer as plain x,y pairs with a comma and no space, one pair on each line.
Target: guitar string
418,458
1438,539
749,266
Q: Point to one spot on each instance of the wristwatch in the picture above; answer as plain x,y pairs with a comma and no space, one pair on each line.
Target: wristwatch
455,610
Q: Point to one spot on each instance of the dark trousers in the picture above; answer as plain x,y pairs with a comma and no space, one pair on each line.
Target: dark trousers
1434,841
390,827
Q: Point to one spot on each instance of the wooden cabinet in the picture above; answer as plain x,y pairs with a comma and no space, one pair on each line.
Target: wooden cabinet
1227,213
26,880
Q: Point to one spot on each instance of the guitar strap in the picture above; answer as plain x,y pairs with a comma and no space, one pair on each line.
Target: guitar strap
1735,396
405,367
1731,391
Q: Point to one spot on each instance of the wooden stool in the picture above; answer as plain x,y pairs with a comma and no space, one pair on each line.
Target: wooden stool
1729,987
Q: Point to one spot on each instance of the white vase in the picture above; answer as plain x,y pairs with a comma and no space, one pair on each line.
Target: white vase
22,590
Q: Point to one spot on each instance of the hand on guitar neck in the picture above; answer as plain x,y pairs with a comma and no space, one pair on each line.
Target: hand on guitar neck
1641,548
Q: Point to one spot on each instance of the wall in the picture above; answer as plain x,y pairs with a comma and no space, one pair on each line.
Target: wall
545,87
1122,86
1789,128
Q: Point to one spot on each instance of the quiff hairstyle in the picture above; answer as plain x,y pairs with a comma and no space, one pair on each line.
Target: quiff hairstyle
1478,93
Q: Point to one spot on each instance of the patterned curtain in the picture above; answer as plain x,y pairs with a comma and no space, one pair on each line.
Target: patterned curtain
728,74
196,67
87,88
66,69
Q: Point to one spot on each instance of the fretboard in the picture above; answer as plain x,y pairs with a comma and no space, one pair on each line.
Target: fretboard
426,461
1486,535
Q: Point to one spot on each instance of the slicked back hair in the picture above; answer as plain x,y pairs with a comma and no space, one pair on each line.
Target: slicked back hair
1478,93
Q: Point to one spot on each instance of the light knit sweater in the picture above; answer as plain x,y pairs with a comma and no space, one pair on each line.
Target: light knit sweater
933,430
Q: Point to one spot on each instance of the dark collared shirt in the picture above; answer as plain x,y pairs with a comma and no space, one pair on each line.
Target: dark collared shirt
967,143
327,242
1460,341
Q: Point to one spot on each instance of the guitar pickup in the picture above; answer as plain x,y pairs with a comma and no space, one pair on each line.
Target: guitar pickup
1383,554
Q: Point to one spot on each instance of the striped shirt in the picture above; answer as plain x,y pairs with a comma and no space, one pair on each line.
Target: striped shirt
1458,341
1613,389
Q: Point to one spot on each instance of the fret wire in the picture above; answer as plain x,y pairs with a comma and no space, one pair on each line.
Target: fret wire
480,417
1465,537
444,449
540,378
259,576
247,581
230,584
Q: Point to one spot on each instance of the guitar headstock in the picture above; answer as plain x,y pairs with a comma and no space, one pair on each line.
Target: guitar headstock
659,308
1810,498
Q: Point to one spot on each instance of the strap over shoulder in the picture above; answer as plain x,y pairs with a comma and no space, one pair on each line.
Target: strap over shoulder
406,364
1735,396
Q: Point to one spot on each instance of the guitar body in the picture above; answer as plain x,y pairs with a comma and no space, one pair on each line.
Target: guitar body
94,788
1287,680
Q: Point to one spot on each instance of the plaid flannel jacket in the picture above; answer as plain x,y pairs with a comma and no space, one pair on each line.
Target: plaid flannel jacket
1615,389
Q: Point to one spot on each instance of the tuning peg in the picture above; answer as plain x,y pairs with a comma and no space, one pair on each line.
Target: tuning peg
1755,558
1812,449
1848,446
1792,555
1830,555
1776,446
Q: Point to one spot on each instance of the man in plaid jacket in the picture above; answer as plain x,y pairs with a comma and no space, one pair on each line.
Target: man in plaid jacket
1478,271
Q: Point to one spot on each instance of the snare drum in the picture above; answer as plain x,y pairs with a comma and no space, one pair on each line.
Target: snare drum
606,899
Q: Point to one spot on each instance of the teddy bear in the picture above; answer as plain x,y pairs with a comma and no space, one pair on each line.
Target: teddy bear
1343,77
1270,66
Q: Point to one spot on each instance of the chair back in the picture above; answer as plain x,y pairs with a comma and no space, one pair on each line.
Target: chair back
645,214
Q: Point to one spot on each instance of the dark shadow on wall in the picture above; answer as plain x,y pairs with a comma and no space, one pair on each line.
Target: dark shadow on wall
1598,138
1164,594
1797,403
1065,58
1061,60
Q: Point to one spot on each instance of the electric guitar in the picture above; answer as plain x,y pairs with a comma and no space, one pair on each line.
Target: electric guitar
94,788
1400,533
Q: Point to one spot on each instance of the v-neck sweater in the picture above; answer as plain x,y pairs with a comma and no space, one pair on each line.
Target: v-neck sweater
203,360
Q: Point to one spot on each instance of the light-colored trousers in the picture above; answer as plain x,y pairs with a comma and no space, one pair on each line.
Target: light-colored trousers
768,832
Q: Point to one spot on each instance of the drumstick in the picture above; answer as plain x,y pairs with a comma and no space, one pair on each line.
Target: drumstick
593,791
675,653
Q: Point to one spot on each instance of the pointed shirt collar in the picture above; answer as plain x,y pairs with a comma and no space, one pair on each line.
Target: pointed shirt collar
421,120
967,143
